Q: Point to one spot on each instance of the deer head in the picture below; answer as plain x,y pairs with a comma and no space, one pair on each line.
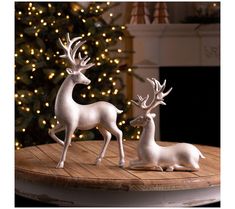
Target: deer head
79,64
158,98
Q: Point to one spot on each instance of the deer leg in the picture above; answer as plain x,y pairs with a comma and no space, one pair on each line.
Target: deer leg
55,130
142,165
118,134
107,137
68,136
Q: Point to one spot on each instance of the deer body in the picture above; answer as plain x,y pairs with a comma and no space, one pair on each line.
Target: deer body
72,116
151,156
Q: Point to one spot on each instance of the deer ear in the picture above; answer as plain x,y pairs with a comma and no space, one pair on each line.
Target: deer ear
69,71
153,115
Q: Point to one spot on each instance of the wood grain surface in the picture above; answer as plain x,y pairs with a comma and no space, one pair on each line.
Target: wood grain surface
38,164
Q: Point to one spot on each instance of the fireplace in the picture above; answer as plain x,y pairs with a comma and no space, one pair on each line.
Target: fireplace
188,57
192,112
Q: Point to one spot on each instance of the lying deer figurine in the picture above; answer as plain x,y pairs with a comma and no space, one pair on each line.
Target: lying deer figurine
72,115
151,156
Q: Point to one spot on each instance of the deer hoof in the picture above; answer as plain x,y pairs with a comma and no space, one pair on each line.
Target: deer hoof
122,163
60,165
170,169
98,161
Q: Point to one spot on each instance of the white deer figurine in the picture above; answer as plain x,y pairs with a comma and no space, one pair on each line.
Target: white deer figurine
151,156
72,116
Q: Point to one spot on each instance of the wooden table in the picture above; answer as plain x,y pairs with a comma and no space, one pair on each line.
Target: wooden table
81,183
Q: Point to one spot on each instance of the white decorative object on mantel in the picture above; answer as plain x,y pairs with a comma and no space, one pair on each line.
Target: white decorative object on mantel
151,156
139,13
72,115
160,13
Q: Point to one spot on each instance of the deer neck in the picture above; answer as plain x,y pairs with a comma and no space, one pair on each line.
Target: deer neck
147,136
64,95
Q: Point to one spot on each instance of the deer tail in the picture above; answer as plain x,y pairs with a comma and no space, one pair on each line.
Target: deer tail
201,155
119,111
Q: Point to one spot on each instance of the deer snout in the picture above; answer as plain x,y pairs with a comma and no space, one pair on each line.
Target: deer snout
87,82
133,123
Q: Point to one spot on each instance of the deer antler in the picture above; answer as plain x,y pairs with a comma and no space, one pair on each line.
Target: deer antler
157,96
80,63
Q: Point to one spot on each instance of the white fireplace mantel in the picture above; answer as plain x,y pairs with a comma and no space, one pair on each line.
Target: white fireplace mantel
175,45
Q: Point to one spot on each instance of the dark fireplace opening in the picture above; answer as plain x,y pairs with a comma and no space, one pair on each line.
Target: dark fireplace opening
192,113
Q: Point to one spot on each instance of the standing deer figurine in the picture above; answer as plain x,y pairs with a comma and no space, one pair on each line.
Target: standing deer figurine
72,116
151,156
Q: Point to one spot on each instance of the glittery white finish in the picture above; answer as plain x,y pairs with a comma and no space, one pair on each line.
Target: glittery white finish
151,156
72,116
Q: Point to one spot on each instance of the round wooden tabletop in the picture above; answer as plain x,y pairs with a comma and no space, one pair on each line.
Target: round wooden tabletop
81,183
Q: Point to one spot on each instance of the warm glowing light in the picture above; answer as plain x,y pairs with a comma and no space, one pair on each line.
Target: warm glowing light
120,38
129,102
88,87
99,79
38,111
35,91
111,14
59,13
88,34
119,50
123,27
83,20
116,61
113,28
21,35
51,76
18,78
49,5
44,122
23,129
104,34
129,70
47,104
57,30
97,43
92,95
104,74
32,51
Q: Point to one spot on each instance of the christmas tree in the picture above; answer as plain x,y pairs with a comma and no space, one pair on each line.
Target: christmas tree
39,71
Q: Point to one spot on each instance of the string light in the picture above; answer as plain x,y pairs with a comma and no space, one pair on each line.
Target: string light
129,70
44,122
120,38
49,5
38,111
97,43
111,14
47,104
21,35
119,50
